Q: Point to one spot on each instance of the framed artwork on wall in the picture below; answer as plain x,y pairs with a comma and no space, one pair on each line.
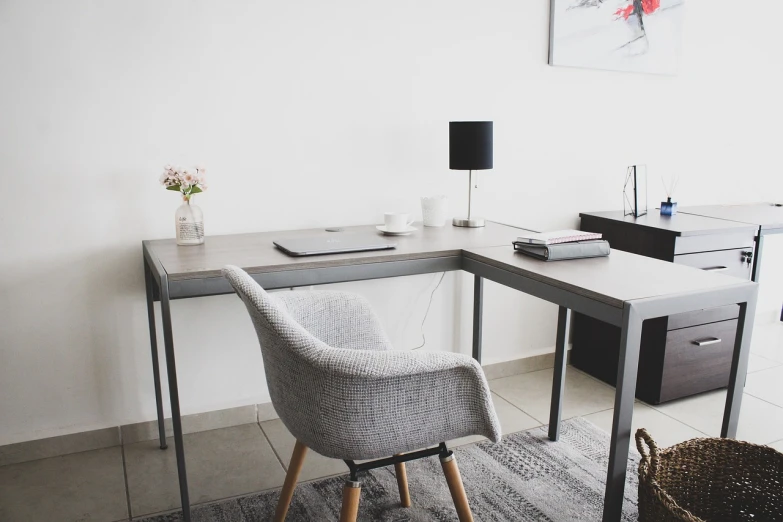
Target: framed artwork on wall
619,35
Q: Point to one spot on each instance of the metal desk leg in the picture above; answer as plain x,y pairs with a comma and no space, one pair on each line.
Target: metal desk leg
176,420
739,369
154,347
558,380
478,310
627,368
756,272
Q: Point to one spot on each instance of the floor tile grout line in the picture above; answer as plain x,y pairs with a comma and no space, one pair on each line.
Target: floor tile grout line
594,413
771,368
775,365
517,407
662,413
666,414
655,407
274,450
762,399
720,414
546,422
776,362
125,476
652,407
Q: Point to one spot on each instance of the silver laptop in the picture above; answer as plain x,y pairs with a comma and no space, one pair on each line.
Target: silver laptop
332,243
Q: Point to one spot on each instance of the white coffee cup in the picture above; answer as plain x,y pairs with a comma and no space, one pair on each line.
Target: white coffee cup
396,221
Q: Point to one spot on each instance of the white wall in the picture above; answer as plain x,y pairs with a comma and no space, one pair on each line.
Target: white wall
318,113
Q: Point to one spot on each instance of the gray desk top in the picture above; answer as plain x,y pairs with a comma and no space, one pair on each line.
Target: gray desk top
611,280
681,224
256,253
764,215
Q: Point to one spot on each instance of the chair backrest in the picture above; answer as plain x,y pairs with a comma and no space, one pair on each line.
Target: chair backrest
288,351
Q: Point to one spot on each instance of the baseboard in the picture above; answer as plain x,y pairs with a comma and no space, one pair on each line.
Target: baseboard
211,420
519,366
131,433
59,445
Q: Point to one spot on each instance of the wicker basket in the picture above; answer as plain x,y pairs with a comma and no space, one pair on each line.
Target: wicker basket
709,480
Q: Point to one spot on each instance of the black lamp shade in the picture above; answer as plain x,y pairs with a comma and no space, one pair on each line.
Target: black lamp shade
470,145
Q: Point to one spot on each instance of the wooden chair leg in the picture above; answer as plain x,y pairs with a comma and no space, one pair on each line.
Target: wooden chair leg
454,480
402,484
351,493
294,467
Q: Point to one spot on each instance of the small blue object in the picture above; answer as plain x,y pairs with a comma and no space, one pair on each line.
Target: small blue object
668,207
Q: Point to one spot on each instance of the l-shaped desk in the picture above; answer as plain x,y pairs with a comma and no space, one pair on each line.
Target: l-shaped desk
622,289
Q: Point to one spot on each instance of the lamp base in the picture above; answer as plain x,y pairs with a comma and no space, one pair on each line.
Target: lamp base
472,222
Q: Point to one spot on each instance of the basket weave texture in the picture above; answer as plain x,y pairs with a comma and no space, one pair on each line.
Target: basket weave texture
709,480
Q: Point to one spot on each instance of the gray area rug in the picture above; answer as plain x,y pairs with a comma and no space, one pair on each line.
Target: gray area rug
524,478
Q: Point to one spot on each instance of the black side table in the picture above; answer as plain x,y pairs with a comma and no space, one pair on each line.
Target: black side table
681,354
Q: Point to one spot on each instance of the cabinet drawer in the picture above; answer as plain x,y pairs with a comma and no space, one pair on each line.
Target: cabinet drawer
703,243
699,317
697,359
727,262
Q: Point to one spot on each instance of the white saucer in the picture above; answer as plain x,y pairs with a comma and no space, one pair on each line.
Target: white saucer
405,232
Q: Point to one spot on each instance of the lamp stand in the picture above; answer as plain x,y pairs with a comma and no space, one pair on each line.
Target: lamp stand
470,221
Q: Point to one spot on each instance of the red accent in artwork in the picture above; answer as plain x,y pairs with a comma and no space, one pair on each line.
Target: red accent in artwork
625,12
648,6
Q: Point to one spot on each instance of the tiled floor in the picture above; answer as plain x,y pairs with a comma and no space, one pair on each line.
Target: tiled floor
139,479
220,463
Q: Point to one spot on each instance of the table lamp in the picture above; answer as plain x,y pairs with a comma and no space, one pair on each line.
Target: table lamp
470,148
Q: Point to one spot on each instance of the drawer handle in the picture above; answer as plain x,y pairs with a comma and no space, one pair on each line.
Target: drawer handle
715,268
707,342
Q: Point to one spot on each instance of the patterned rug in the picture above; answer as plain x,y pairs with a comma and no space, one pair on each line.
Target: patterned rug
524,478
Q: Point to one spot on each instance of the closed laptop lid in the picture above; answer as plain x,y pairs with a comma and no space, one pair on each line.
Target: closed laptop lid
332,243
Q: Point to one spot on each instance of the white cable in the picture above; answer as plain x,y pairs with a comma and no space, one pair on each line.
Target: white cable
432,294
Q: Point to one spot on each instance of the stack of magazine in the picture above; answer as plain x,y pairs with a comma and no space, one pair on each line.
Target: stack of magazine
562,244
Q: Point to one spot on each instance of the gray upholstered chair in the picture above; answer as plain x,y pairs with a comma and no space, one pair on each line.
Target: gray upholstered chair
343,392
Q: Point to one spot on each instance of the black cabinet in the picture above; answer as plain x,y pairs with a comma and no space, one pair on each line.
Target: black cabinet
681,354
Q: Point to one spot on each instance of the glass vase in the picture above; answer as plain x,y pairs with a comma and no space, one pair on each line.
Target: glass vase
189,223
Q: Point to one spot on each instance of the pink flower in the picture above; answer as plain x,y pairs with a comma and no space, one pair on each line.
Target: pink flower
183,178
